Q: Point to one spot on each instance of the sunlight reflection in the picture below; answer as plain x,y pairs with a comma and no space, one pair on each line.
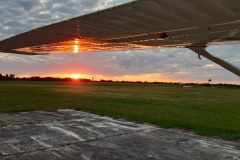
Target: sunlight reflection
76,41
76,49
89,45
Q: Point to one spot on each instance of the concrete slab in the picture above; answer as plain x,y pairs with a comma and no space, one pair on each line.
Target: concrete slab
69,134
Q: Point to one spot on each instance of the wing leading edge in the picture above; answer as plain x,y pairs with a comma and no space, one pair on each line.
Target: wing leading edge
142,24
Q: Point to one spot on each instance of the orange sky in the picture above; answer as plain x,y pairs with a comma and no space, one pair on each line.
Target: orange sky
143,78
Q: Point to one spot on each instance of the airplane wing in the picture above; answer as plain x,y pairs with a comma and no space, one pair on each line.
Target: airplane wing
141,24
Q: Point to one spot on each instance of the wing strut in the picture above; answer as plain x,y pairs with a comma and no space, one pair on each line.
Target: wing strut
201,51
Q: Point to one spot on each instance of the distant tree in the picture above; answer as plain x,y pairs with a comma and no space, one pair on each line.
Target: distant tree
12,76
209,81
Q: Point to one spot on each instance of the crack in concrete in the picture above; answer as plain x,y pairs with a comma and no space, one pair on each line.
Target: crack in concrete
40,142
29,123
33,122
155,157
70,144
36,135
64,131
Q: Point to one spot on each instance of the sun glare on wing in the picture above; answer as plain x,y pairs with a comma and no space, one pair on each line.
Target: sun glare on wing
76,48
75,76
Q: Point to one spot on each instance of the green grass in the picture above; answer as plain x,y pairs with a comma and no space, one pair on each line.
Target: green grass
206,111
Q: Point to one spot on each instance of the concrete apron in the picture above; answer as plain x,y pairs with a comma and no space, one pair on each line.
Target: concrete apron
70,134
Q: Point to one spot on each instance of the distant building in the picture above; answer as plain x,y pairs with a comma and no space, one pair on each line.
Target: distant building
187,86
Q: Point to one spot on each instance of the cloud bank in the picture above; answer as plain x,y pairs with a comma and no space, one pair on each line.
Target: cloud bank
17,16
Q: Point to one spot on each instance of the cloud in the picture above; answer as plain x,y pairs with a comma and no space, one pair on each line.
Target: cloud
17,16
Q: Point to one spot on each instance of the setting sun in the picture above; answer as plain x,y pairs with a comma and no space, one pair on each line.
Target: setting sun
75,76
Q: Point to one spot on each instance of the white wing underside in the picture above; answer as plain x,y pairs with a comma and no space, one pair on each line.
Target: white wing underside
142,24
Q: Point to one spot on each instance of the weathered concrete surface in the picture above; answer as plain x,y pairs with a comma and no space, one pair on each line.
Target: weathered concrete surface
69,134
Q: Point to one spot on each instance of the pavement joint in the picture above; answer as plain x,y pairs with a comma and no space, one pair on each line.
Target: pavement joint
69,144
69,134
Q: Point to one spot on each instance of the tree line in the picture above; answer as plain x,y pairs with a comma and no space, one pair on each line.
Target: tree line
38,78
12,77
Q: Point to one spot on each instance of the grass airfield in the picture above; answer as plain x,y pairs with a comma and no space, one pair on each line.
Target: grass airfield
205,111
